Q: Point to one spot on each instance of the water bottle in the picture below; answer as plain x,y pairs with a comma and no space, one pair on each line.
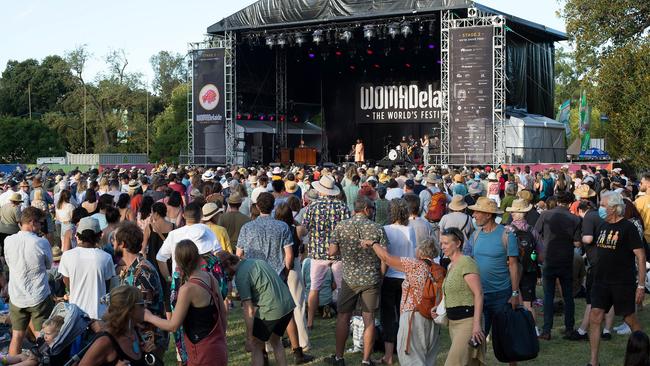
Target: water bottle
533,256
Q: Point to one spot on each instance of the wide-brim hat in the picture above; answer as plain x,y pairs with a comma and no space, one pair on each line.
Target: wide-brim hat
16,197
277,170
475,188
519,205
484,204
209,210
432,179
326,185
252,179
56,253
584,191
134,184
458,178
525,195
457,203
290,186
235,198
492,176
207,176
370,172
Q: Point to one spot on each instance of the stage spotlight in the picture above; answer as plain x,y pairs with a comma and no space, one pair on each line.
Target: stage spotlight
271,118
393,30
311,54
270,41
338,53
281,41
368,32
239,116
407,65
431,46
282,118
262,117
352,67
346,36
370,52
318,36
299,39
406,29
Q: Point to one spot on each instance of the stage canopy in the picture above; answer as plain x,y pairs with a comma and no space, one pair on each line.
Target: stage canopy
255,126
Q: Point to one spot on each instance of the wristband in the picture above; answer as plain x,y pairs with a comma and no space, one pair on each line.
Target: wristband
515,293
640,287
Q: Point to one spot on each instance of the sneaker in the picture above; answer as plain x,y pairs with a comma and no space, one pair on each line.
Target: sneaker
625,330
300,357
332,360
619,327
368,363
575,336
606,336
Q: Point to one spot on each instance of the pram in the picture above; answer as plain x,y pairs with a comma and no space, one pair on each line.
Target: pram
72,338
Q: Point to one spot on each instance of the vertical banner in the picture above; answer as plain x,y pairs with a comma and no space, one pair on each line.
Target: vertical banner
563,113
585,136
471,95
209,106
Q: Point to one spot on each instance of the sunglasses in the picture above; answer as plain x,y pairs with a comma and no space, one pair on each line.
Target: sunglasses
455,232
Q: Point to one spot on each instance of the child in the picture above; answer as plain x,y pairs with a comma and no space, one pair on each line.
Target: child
50,331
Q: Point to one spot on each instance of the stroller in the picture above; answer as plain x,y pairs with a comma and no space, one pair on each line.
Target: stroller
73,336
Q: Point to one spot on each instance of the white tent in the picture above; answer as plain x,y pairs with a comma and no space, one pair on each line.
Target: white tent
532,138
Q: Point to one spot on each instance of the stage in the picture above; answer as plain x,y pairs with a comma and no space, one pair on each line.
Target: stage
370,70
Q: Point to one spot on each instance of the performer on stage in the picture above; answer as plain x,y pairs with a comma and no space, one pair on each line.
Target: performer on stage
359,152
302,143
424,142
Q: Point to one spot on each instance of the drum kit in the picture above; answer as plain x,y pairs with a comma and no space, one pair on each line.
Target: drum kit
396,153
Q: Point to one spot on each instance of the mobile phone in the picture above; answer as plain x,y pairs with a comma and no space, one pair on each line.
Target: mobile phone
472,342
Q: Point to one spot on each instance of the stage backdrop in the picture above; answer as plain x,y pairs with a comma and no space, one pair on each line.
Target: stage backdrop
470,95
209,106
417,102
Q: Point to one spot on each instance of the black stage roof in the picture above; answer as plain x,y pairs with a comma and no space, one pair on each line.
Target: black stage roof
269,14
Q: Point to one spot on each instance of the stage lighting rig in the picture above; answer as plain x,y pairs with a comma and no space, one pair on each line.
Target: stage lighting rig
369,32
299,38
317,36
393,30
281,40
346,36
270,41
406,29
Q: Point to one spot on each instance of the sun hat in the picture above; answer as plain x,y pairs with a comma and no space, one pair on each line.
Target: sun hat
134,184
492,176
207,176
475,188
484,204
370,172
326,186
277,170
418,177
519,205
584,191
88,223
235,198
432,179
290,186
16,197
252,179
525,195
457,203
209,210
458,178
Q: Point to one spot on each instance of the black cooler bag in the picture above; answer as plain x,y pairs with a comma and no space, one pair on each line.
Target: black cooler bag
513,335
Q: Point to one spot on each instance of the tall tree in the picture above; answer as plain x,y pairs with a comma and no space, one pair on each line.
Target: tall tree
24,140
170,128
170,70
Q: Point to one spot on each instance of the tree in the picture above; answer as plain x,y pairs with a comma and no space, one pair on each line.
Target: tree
24,140
170,70
170,126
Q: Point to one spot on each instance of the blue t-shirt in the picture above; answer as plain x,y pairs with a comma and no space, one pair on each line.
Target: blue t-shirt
490,255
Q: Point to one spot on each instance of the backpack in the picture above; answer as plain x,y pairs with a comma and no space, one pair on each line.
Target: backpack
526,246
437,206
513,335
548,187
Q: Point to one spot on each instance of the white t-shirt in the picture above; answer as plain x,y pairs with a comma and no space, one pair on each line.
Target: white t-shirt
88,270
394,193
200,234
401,243
28,257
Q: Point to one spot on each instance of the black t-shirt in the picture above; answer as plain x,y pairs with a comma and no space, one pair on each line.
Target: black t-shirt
559,229
615,250
590,224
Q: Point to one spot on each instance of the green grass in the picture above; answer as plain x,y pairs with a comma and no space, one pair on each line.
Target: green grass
554,352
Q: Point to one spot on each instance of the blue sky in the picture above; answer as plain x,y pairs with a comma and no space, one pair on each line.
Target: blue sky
37,28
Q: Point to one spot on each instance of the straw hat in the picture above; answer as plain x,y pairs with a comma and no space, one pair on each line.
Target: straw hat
16,197
235,198
370,172
525,195
209,210
56,253
457,203
290,186
432,179
484,204
207,176
584,191
519,205
134,184
326,186
252,179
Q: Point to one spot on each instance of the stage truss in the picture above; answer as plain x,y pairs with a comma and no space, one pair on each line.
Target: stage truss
281,129
228,42
475,18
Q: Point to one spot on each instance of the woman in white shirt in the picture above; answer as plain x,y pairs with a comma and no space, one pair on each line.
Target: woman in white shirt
63,212
401,243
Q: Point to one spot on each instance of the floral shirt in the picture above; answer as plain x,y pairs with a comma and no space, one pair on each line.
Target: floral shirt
143,275
361,267
417,272
265,238
321,218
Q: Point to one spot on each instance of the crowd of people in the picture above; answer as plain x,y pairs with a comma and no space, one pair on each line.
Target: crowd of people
146,254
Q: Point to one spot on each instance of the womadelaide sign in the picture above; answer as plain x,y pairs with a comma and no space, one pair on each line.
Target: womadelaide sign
398,103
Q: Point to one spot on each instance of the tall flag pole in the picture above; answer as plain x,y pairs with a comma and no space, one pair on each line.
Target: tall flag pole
584,123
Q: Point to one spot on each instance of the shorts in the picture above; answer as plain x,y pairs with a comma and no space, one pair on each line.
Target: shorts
348,297
263,329
622,297
318,270
20,317
527,286
588,283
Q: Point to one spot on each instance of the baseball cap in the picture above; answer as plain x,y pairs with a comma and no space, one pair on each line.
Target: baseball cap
88,223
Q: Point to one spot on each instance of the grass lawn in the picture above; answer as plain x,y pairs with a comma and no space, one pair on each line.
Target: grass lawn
554,352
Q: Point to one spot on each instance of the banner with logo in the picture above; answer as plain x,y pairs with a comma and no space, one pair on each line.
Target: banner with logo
471,119
209,107
414,102
563,113
585,136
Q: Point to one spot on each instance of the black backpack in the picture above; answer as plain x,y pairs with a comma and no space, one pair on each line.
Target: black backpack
513,335
526,246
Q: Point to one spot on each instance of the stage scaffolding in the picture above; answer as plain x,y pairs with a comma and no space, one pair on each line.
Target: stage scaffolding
228,42
281,96
475,18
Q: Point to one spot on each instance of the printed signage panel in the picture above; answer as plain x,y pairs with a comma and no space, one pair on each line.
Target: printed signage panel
209,106
413,102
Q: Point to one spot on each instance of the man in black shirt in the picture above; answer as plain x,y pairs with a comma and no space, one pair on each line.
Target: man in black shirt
617,244
560,231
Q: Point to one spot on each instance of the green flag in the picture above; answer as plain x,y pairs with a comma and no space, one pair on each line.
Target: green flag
584,123
563,116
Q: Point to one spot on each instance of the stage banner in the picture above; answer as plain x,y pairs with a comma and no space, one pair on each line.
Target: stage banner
209,106
410,102
563,113
471,139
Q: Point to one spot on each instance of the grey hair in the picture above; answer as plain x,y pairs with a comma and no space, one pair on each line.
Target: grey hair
361,203
615,200
427,248
511,189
